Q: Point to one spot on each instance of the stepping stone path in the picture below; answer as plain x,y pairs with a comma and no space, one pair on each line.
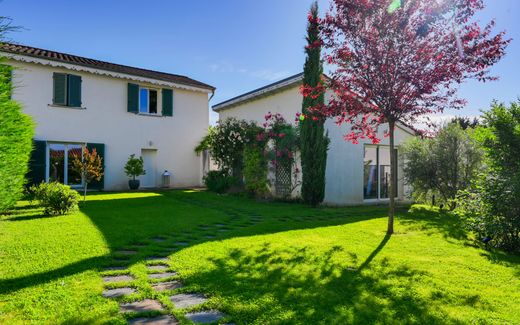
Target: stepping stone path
146,305
157,267
205,317
120,260
166,286
114,293
160,320
161,275
117,278
186,300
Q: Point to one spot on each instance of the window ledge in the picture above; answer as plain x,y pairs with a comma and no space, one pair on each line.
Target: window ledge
151,115
65,106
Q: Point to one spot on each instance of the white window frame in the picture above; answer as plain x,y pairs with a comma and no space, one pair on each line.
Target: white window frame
65,162
148,92
378,199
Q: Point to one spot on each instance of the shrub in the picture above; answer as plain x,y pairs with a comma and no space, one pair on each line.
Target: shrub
255,171
90,167
491,207
442,165
16,132
219,181
134,167
56,198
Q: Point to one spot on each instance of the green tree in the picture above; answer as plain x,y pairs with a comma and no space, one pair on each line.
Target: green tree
90,167
16,133
314,142
491,207
442,165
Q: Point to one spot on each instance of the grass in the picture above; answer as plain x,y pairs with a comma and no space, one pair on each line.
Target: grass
259,262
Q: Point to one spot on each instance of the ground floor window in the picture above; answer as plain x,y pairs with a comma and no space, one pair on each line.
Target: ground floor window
376,178
59,163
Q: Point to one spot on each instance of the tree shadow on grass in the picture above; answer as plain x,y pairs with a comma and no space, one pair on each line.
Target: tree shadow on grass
11,285
304,287
421,218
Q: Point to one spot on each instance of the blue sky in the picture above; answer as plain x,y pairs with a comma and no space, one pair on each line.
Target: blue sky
234,45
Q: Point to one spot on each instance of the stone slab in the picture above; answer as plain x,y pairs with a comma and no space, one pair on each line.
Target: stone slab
160,320
205,317
158,239
114,293
165,286
181,243
159,276
146,305
157,267
117,278
157,259
187,300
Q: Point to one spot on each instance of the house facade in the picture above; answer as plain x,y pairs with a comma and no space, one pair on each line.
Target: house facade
355,173
78,102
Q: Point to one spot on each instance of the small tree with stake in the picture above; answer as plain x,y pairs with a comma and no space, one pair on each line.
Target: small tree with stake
399,60
90,167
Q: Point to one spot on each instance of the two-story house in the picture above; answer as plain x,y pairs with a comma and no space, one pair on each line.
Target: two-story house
78,102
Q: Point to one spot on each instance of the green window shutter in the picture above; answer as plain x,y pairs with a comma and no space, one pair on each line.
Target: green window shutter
74,93
100,149
133,98
167,102
60,89
37,163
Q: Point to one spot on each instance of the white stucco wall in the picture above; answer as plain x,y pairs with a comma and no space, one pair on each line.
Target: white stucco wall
105,120
344,172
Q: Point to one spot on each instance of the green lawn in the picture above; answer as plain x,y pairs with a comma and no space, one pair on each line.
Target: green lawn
295,265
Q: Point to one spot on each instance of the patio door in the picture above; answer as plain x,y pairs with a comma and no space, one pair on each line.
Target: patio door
59,163
150,166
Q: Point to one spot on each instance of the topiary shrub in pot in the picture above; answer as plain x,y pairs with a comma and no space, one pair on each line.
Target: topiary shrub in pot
134,167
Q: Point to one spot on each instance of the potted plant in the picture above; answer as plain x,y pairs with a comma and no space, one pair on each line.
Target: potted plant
134,167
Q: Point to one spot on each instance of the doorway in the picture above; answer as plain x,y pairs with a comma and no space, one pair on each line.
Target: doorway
150,166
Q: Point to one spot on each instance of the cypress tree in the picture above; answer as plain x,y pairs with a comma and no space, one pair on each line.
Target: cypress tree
314,142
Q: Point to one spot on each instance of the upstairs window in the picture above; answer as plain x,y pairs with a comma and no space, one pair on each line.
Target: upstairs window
147,101
66,90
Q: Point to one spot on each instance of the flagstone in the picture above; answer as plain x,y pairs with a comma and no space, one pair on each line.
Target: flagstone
117,278
159,320
170,285
161,275
205,317
146,305
157,267
187,300
114,293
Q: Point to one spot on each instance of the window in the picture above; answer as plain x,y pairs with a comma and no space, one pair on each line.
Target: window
59,163
147,101
376,176
66,90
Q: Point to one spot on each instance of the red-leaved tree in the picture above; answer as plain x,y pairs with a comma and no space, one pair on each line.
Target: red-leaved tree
395,61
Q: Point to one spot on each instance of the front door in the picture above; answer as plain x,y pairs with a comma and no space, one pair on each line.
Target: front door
150,166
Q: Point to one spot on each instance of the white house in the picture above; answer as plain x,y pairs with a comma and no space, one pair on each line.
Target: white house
355,173
78,102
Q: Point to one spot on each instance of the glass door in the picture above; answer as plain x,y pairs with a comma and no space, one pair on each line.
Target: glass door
59,163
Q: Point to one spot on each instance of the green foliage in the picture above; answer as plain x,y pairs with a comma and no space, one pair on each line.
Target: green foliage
16,132
219,181
205,143
255,171
134,167
442,165
491,207
90,167
56,198
314,142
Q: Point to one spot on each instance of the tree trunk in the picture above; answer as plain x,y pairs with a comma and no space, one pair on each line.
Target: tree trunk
393,186
85,192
